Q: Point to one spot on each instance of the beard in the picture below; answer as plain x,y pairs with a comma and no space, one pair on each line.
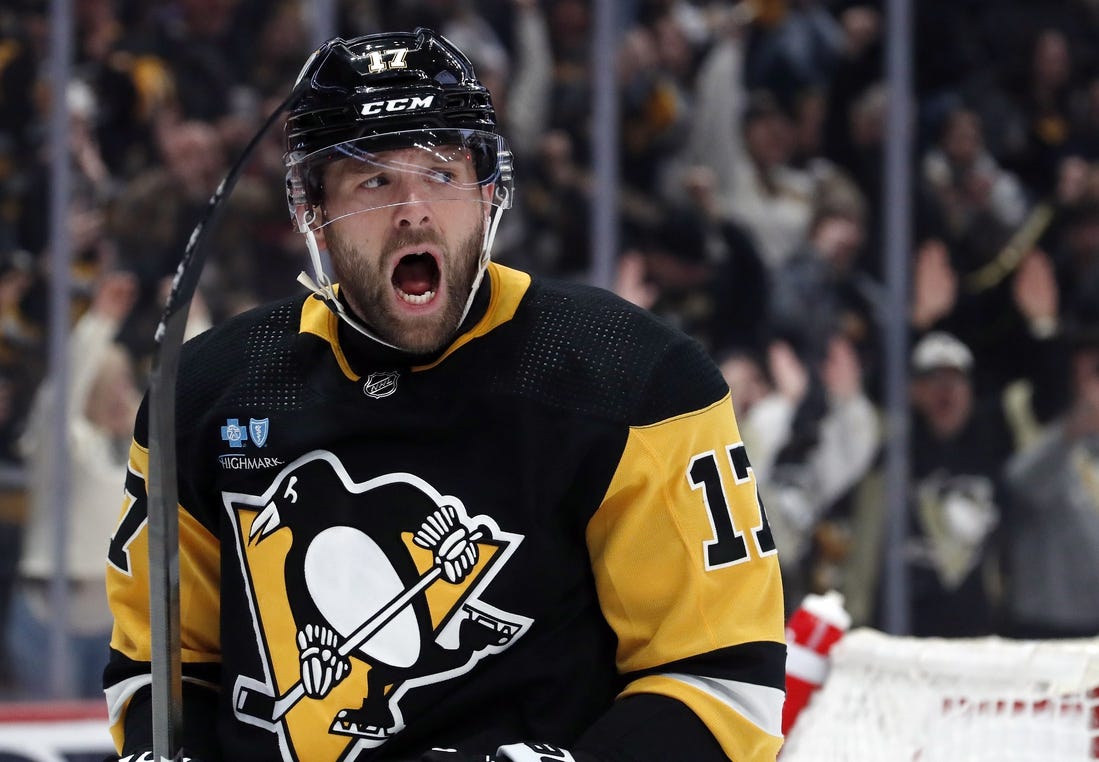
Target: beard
367,285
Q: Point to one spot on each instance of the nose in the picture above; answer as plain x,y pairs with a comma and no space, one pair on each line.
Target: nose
412,214
413,209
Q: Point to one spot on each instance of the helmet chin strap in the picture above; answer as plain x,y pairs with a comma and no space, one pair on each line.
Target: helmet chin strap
324,289
486,249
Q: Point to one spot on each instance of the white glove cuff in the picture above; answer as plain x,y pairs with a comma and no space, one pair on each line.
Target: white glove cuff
533,752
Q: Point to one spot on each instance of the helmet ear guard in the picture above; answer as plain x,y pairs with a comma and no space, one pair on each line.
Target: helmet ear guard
302,212
505,186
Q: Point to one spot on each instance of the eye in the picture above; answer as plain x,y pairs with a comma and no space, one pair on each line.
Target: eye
376,181
444,176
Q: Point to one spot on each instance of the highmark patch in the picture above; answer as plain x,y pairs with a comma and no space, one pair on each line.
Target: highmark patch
247,463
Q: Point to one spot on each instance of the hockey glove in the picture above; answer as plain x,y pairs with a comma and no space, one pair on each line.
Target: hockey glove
517,752
451,755
538,752
147,756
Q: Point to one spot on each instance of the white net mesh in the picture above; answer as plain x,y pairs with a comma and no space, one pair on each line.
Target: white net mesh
892,699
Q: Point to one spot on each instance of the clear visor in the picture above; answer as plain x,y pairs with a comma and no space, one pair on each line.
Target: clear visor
410,167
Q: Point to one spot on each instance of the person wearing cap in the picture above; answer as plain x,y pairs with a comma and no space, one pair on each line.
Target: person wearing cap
958,445
438,509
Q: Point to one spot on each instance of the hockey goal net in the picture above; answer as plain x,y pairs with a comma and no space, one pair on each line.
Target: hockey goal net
896,699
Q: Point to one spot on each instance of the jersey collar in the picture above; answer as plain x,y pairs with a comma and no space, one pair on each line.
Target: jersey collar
497,300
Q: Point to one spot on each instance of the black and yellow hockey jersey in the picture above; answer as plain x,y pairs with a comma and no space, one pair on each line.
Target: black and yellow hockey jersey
549,532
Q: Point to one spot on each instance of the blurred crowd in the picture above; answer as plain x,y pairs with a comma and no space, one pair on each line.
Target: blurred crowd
751,144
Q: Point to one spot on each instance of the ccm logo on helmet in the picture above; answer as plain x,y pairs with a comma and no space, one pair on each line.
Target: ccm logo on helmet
396,104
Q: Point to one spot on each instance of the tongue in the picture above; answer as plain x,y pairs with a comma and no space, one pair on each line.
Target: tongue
414,274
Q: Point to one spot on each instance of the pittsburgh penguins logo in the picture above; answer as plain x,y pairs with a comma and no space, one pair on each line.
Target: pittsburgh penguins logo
364,595
957,514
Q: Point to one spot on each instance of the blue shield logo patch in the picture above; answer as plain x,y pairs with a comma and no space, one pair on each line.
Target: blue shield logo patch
258,427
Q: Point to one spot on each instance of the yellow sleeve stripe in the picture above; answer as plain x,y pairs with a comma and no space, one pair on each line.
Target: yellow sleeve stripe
199,579
118,700
750,732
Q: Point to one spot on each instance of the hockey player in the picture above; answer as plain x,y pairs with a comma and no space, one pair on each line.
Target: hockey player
444,510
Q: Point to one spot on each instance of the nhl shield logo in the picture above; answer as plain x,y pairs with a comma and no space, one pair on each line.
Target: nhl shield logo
257,428
380,385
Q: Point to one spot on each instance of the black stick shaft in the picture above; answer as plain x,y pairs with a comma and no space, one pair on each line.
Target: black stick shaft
166,668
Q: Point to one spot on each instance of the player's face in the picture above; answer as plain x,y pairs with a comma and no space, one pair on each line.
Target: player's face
407,265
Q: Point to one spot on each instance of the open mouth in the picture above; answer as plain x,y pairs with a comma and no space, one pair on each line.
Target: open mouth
416,278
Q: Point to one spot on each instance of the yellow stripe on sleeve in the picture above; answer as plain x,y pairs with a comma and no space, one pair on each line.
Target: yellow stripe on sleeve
199,575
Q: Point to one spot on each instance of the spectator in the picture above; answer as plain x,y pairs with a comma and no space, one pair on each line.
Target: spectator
770,197
1043,100
1011,323
1052,587
557,205
805,460
973,192
195,40
119,126
570,35
155,214
958,447
93,186
656,62
820,292
104,399
26,46
708,277
282,42
1077,263
20,372
796,52
1084,140
524,93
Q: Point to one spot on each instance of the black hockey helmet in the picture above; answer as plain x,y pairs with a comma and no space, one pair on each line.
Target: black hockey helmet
385,91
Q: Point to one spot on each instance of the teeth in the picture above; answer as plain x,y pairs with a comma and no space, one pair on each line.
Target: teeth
423,298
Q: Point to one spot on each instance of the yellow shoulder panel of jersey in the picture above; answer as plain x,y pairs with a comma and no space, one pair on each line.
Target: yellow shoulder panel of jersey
199,578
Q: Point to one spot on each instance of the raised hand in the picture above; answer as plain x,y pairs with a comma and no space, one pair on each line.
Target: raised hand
935,284
1035,291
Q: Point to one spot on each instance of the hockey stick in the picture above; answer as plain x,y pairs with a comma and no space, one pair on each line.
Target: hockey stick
265,707
163,497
